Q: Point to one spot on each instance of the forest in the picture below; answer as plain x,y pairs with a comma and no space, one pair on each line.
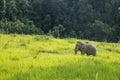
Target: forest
97,20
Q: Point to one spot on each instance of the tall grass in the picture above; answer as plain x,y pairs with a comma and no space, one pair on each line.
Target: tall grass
41,57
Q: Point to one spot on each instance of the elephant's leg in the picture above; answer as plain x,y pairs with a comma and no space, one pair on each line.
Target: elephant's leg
88,54
82,52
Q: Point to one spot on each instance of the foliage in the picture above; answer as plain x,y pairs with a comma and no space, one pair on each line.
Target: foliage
76,16
100,31
58,31
19,27
2,8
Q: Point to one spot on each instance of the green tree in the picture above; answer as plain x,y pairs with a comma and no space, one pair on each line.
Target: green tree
58,31
100,31
11,10
24,10
47,23
2,8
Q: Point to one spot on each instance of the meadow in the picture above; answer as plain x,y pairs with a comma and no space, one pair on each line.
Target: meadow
41,57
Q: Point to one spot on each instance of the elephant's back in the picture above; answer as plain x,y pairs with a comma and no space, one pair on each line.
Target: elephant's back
91,48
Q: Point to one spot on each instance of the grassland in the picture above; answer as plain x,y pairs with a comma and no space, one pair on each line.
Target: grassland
41,57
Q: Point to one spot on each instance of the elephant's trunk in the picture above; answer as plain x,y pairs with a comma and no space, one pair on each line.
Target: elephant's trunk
75,51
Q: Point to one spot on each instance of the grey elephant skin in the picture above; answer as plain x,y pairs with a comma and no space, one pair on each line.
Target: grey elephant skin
85,48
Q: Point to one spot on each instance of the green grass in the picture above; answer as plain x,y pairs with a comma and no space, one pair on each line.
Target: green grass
41,57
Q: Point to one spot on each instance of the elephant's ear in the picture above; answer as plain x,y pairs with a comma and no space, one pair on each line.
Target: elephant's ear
82,43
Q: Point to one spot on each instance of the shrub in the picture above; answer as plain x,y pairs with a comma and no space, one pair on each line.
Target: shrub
57,31
25,27
100,31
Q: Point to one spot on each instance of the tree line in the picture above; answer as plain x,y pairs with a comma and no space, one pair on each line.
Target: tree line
86,19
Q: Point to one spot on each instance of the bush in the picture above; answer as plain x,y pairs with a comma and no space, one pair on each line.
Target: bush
57,31
100,31
72,33
26,27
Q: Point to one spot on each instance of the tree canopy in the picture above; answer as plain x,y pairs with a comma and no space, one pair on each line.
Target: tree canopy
85,19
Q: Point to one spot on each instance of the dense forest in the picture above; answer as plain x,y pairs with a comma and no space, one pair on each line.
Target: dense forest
85,19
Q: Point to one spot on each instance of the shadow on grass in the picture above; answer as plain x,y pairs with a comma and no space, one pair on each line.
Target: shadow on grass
48,51
113,50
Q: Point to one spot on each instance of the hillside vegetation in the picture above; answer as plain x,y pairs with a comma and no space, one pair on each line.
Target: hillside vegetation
87,19
41,57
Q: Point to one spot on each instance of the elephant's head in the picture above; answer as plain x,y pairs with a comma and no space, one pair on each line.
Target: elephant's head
78,46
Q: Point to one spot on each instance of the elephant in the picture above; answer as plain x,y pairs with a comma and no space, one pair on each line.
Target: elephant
85,48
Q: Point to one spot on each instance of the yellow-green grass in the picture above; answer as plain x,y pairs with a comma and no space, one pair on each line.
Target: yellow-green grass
41,57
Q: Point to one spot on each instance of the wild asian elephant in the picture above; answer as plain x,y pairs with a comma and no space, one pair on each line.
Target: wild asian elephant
85,48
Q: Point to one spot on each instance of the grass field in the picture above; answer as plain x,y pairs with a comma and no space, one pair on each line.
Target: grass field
40,57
